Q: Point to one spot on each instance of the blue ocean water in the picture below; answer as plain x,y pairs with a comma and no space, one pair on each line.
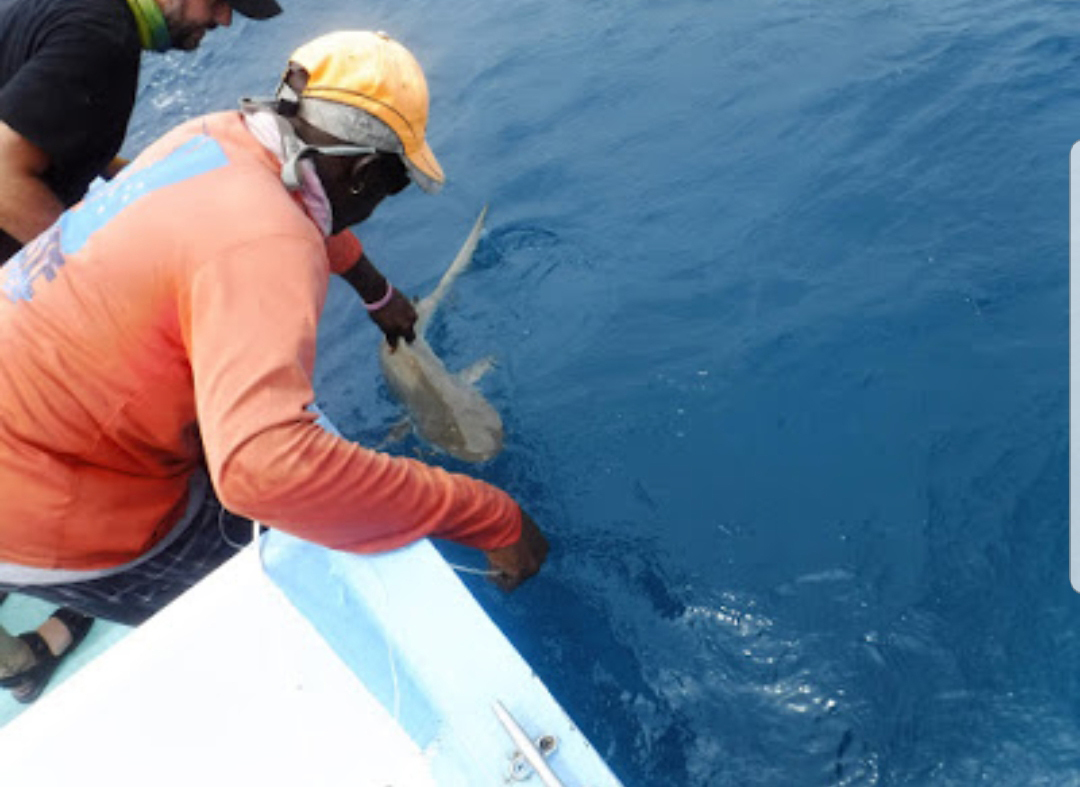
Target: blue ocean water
778,294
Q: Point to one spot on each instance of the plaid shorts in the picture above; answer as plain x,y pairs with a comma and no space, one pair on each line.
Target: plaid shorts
133,595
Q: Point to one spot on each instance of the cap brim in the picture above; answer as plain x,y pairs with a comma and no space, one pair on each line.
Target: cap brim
425,170
256,9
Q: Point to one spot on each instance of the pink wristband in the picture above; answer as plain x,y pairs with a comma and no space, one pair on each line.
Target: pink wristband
374,307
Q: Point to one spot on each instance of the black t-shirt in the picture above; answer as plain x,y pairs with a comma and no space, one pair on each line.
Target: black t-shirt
69,70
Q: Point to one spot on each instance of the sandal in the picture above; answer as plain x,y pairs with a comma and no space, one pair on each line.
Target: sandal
26,686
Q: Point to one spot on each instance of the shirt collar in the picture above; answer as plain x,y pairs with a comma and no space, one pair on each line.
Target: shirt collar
264,126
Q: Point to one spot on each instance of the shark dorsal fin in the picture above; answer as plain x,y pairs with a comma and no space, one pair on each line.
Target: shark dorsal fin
427,306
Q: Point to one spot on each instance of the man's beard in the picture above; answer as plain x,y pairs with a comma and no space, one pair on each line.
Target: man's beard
187,37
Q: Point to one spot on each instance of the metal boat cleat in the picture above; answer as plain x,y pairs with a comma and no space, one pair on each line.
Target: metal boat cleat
530,757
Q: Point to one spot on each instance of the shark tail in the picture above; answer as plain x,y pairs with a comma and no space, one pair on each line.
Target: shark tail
427,306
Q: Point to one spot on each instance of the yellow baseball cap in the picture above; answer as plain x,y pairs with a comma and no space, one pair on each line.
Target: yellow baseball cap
373,73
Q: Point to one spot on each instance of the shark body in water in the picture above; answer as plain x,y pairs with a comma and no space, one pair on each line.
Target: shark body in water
445,409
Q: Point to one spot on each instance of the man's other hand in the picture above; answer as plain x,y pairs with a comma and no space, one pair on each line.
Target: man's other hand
520,560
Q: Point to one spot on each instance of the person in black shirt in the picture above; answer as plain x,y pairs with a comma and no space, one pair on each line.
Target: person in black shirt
69,70
68,75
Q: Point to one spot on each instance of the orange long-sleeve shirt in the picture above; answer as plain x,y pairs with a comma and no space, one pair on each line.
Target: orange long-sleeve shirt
167,322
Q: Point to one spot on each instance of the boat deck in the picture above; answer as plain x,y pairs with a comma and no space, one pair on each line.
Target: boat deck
297,664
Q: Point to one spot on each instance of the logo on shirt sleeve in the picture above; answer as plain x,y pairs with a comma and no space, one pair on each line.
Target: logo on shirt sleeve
39,258
195,157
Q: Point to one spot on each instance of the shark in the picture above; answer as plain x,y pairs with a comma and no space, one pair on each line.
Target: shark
445,409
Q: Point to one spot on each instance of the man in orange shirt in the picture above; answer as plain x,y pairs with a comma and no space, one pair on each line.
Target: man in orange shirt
159,345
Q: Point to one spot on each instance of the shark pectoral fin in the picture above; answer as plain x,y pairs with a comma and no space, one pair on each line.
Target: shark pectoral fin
472,374
397,433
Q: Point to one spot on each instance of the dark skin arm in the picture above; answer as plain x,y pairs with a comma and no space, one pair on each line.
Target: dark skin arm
397,318
520,560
